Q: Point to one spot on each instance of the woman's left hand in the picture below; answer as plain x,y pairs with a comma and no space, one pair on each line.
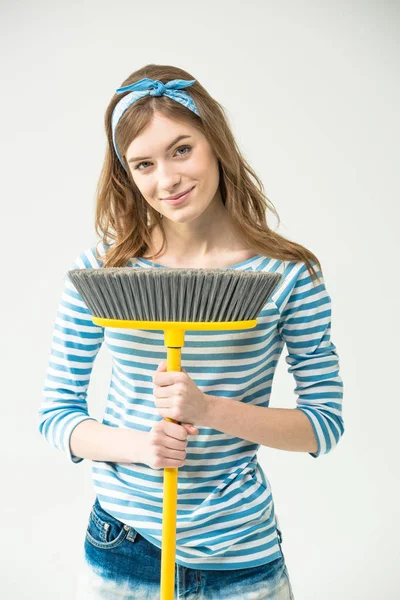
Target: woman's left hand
178,397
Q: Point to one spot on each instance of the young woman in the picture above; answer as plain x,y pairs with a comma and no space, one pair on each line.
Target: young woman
175,189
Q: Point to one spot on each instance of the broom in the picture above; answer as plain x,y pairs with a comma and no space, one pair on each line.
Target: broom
174,300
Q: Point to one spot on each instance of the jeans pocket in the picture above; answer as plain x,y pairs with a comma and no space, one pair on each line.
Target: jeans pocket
104,530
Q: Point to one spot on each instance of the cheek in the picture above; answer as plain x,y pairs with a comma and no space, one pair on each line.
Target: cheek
146,189
211,165
211,175
206,171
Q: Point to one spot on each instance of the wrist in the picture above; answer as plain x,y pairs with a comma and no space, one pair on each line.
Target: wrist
132,444
208,408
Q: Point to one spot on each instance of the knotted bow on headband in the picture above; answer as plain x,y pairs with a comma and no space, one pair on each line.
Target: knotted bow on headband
150,87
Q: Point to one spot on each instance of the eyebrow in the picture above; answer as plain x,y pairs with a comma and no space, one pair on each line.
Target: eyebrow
180,137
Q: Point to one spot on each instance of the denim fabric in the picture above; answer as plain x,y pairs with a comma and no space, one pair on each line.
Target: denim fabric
118,563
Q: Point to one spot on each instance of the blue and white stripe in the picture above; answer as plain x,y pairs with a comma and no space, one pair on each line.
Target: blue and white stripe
225,513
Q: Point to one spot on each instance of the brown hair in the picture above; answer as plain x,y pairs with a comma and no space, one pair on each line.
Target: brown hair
122,213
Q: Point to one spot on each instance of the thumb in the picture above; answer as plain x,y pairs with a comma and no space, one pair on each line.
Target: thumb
162,366
191,429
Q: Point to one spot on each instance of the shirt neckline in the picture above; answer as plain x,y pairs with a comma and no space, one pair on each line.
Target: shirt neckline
236,265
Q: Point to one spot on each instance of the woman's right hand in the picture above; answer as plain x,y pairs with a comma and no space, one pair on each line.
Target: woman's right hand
165,445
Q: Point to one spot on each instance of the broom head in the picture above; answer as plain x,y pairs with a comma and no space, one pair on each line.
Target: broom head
174,294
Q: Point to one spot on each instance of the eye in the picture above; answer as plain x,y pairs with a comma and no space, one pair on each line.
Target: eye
182,147
137,166
146,162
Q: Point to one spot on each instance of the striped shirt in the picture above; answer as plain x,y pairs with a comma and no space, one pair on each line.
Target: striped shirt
225,510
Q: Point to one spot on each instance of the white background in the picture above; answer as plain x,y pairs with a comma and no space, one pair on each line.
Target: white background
311,90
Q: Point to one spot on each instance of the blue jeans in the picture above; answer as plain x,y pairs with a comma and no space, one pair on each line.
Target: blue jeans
118,563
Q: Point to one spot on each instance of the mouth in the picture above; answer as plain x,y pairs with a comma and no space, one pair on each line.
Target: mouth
179,199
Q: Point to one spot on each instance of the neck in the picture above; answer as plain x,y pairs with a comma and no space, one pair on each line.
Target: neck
204,237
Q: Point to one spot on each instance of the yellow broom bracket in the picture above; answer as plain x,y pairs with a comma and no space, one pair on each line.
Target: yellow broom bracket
175,325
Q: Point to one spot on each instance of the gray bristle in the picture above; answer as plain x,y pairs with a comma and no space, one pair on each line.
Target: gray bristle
172,294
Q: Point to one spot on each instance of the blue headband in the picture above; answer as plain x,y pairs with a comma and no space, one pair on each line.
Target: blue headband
150,87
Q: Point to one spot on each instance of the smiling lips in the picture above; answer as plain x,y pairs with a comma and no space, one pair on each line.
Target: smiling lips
177,196
179,199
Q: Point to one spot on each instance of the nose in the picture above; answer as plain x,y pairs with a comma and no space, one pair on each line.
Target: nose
168,182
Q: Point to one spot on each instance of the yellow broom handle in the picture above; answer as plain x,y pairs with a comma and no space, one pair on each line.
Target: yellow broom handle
168,548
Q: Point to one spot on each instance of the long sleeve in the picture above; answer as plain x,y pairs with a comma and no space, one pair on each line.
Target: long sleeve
305,327
75,344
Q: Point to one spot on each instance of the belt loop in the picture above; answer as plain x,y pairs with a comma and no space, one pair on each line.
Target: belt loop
279,535
131,533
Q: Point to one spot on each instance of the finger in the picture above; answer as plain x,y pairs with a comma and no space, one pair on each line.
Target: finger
174,430
163,403
166,390
166,377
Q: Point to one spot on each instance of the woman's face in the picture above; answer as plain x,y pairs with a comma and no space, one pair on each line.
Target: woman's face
169,166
